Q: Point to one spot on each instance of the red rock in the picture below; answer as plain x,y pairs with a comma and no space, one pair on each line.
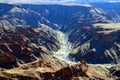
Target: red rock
26,51
65,73
6,57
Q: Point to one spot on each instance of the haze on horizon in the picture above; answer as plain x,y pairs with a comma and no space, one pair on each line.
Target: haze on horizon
56,1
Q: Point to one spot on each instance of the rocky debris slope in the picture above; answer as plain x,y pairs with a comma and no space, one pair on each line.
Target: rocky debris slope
20,45
79,71
41,71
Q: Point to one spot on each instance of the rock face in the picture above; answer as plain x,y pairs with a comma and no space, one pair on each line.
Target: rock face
19,44
97,44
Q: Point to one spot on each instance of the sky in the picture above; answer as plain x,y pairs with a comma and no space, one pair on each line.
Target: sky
55,1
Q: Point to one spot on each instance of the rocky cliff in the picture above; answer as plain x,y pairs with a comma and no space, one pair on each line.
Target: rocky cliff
25,44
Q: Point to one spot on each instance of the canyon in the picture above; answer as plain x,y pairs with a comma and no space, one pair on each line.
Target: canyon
59,42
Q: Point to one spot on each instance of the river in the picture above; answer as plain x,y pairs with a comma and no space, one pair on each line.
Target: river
65,47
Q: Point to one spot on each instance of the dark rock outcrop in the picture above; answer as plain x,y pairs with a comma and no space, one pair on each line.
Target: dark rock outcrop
68,73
